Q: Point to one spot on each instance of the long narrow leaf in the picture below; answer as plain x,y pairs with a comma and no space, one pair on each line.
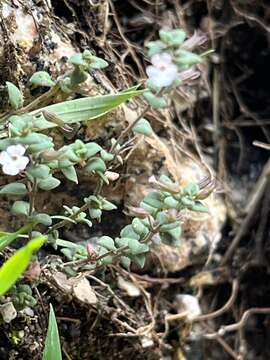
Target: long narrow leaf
52,350
84,109
17,263
67,244
7,238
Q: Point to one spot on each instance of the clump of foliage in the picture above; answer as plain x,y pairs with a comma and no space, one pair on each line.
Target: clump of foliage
29,152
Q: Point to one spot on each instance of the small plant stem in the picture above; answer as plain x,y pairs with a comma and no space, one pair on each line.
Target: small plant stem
121,251
81,262
32,196
64,222
99,187
39,102
130,126
151,233
114,253
78,212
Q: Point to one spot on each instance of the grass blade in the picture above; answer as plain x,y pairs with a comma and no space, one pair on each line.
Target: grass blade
52,350
12,269
7,238
84,109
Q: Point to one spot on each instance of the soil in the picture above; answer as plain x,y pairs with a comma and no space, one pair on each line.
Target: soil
227,114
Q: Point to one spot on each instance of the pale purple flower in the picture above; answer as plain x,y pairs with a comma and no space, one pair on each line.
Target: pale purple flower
163,72
13,160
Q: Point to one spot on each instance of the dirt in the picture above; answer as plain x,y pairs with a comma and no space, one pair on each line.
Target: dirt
217,121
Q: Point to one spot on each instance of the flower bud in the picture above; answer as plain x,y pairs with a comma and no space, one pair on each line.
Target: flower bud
112,176
196,40
207,186
165,186
138,211
51,154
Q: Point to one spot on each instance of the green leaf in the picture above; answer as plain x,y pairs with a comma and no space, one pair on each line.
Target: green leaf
186,58
76,59
186,201
17,264
95,213
154,47
20,208
70,173
7,238
15,96
128,232
191,189
107,242
139,227
42,218
169,226
3,233
150,84
14,188
88,108
98,63
49,183
162,217
87,55
199,207
154,199
176,232
64,164
150,209
121,242
171,237
170,202
41,78
92,199
136,247
107,259
125,261
107,205
166,180
39,171
35,138
156,102
68,253
92,149
77,77
18,123
106,156
65,243
143,127
36,148
172,37
52,348
62,217
6,142
95,164
139,260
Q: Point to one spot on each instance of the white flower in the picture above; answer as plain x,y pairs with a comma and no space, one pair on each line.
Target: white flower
163,72
13,160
